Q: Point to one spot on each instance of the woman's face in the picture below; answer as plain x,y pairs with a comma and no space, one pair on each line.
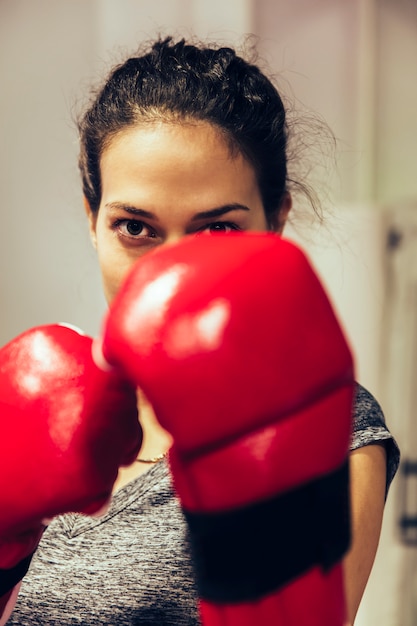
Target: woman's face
165,181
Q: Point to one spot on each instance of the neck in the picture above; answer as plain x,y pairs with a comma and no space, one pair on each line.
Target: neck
156,441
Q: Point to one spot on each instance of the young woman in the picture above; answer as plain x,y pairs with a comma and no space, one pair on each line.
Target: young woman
181,140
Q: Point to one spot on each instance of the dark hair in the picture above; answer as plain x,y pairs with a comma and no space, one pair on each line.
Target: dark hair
177,81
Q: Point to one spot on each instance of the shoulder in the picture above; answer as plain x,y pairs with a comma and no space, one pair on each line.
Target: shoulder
369,427
367,411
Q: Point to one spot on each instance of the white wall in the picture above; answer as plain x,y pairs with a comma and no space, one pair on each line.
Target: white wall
125,23
396,102
48,270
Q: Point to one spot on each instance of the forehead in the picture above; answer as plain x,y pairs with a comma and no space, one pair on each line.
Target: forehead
176,138
184,158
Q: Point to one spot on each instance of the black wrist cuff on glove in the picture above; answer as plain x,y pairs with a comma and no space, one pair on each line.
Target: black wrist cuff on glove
10,577
244,554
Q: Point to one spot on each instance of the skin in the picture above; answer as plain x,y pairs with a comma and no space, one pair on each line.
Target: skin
161,182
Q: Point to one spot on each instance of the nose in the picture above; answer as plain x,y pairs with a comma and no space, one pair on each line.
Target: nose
173,238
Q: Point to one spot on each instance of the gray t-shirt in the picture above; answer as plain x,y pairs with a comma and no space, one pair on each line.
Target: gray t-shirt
132,566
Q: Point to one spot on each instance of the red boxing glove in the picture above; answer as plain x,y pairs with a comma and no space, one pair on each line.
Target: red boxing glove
233,340
66,427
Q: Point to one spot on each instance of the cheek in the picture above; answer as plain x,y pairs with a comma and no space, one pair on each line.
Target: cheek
112,261
115,263
110,268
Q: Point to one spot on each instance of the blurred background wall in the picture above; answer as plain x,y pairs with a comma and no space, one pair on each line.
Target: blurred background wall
355,64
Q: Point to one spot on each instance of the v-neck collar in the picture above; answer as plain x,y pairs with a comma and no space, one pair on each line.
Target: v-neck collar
74,524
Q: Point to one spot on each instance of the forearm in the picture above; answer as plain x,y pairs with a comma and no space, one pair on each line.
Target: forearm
7,603
368,479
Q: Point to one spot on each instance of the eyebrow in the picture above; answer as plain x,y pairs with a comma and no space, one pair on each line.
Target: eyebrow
218,211
121,206
210,213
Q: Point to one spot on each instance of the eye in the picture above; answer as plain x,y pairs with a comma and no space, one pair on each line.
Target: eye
134,229
219,227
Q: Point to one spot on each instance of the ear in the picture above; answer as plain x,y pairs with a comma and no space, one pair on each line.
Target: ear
92,221
278,220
